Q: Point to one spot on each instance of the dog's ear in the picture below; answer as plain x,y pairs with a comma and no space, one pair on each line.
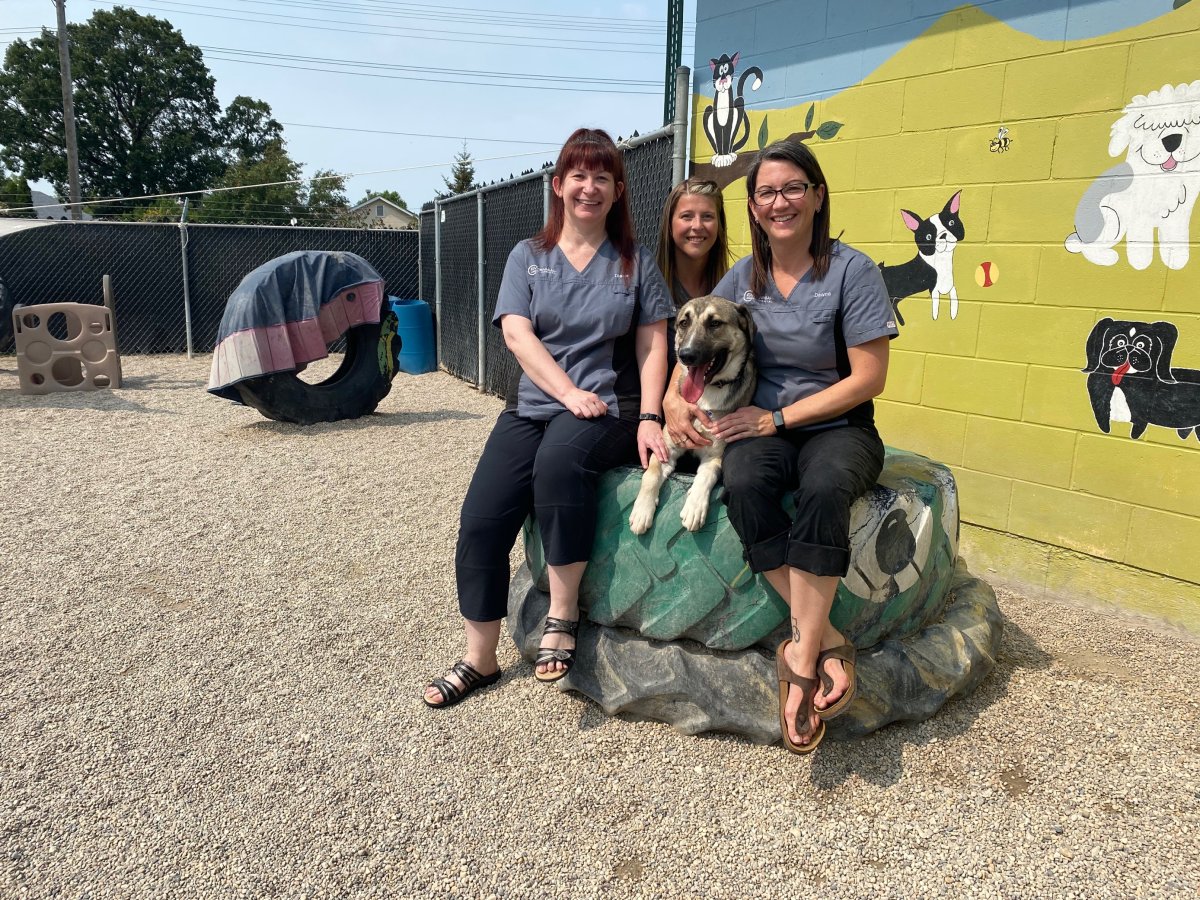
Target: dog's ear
952,203
747,322
1121,133
1095,343
911,219
1165,334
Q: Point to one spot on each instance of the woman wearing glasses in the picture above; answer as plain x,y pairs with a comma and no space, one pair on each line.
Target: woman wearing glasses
824,321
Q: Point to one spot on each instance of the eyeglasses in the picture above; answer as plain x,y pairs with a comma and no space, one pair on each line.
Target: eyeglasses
794,191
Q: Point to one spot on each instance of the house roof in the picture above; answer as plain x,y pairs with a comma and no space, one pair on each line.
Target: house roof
374,200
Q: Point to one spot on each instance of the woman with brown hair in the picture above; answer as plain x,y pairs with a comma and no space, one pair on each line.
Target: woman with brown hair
823,321
583,308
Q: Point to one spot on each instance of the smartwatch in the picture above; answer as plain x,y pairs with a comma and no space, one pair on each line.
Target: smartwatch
777,418
650,417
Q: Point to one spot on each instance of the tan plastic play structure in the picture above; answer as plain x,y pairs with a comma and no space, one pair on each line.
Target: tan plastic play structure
85,360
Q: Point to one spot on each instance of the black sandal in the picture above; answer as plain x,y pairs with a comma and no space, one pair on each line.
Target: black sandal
471,681
555,654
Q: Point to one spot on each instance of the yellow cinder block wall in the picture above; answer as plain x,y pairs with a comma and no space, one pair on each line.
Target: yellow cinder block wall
1049,502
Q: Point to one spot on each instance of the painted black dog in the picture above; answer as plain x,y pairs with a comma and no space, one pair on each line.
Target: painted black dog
1130,378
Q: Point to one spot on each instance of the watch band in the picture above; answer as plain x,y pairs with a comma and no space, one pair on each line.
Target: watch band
777,418
650,417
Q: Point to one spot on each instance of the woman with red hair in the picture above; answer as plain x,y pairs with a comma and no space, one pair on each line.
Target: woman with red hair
584,309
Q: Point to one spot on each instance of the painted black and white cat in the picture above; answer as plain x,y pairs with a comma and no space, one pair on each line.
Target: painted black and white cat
725,122
932,269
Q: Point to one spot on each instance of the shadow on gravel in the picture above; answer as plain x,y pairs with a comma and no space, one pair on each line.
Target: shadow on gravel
879,757
374,420
103,400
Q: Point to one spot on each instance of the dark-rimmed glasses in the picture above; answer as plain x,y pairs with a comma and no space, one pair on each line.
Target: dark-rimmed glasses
794,191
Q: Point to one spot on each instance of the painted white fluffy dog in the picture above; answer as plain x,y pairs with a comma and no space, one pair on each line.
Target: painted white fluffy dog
1155,188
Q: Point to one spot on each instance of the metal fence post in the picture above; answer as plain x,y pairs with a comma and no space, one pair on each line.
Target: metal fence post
187,297
437,275
480,289
683,98
546,195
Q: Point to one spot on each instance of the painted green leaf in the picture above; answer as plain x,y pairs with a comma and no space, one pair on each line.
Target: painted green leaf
828,130
808,118
762,134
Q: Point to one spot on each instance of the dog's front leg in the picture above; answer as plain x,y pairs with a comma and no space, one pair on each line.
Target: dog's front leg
695,507
953,302
935,296
641,517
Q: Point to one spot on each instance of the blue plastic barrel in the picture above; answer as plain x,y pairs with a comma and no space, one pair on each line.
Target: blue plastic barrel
418,352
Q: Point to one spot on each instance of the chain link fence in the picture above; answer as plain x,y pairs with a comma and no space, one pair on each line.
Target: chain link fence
65,261
468,346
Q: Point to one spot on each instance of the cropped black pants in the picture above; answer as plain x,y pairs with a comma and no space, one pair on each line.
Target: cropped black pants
547,467
825,471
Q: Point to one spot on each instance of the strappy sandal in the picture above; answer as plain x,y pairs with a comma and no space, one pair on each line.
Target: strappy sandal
556,654
808,690
845,653
452,693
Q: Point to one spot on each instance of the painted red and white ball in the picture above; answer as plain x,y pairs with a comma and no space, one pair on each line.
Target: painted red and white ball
987,274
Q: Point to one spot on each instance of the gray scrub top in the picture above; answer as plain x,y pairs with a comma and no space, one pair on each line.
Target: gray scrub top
586,320
802,339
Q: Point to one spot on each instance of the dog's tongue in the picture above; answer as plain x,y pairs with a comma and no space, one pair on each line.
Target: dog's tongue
693,385
1119,372
1170,164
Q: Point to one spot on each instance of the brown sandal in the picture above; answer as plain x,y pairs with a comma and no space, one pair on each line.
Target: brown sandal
844,653
808,689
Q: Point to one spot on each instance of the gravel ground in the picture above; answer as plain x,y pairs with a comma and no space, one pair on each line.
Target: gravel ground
215,629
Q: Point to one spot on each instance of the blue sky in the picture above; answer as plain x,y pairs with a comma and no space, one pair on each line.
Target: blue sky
508,128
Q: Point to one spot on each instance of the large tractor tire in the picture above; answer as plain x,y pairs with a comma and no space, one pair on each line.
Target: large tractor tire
671,583
362,380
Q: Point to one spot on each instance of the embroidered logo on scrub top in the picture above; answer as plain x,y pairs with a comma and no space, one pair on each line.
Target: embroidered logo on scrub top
819,294
751,297
540,270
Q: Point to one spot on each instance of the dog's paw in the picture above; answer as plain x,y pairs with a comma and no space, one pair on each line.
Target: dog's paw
642,517
694,512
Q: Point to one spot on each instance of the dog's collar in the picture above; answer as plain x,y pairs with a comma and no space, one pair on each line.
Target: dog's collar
736,378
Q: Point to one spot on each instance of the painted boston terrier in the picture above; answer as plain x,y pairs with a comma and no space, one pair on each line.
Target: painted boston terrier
932,269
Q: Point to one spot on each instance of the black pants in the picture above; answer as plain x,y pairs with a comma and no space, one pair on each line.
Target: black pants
548,467
826,471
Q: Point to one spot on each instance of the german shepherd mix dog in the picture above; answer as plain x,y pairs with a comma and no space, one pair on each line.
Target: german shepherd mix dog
714,340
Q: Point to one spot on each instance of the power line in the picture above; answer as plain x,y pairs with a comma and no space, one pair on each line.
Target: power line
486,73
453,137
251,62
421,33
549,148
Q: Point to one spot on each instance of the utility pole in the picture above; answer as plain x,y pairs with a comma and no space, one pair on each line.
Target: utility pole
674,57
64,69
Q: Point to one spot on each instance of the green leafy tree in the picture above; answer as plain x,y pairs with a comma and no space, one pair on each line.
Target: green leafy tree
325,201
147,117
392,196
248,129
462,176
15,192
264,191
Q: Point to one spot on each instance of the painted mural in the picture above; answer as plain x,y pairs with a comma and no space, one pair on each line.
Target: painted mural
725,122
1153,190
932,269
1131,379
1056,144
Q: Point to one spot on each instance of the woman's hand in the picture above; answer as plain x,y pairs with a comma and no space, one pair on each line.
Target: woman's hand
650,440
749,421
680,415
584,404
